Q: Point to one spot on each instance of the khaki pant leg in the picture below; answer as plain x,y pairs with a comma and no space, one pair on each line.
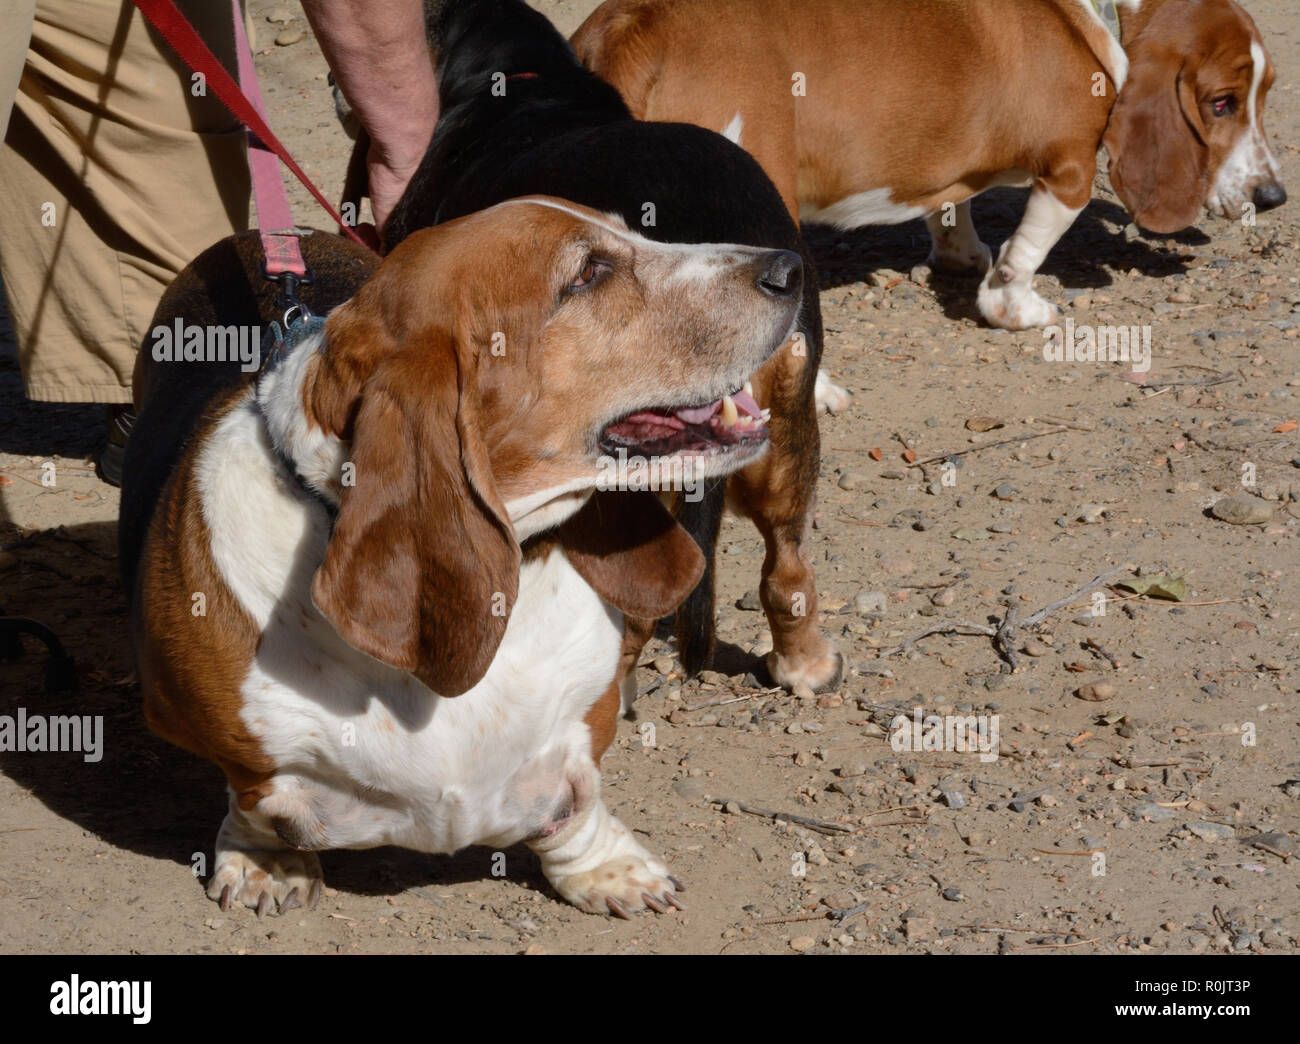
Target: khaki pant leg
15,33
115,176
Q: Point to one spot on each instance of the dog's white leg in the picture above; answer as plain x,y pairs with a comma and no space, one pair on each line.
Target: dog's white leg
254,867
596,864
1006,296
830,398
955,246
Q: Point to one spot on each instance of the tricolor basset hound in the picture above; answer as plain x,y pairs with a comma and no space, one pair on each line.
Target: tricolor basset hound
375,583
868,112
520,115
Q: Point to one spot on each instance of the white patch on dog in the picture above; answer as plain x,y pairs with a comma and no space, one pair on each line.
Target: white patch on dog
1251,160
732,130
1006,296
830,398
874,207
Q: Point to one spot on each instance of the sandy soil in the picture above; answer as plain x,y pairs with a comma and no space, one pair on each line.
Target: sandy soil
938,851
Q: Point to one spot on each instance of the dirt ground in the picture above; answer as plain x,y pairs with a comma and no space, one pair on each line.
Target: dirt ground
1170,780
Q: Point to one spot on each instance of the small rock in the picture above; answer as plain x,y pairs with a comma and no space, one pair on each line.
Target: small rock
954,799
918,929
1242,510
1211,831
279,16
983,423
690,789
868,603
849,480
896,565
1033,647
1092,513
944,598
1096,692
802,943
750,602
1156,813
970,535
1004,491
1276,840
289,37
954,894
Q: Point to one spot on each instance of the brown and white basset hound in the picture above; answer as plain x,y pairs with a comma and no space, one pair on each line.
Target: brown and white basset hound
876,112
412,592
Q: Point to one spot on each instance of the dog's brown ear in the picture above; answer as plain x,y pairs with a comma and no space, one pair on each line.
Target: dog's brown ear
633,553
1159,159
422,568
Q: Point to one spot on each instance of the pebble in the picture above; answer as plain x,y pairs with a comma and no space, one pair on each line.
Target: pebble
868,603
1096,692
1156,813
954,894
954,799
970,535
288,37
1211,831
944,597
690,789
1004,491
1033,647
849,480
1242,510
802,943
750,602
280,15
1275,840
1092,513
896,565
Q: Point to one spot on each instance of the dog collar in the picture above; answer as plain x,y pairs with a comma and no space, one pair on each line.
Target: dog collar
277,344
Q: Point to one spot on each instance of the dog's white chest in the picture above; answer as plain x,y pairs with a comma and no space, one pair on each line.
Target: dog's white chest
368,752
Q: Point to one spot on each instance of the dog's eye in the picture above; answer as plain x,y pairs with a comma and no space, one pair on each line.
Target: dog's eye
591,271
1224,106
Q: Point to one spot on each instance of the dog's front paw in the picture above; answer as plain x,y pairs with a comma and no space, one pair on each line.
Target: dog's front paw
830,398
1014,306
266,880
622,886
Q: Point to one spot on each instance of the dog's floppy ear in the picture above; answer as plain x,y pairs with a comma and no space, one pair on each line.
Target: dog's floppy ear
422,567
633,553
1159,159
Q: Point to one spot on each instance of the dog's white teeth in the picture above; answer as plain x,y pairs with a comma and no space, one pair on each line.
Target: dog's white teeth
749,389
729,412
766,414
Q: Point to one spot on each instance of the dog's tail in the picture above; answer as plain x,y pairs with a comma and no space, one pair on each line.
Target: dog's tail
702,519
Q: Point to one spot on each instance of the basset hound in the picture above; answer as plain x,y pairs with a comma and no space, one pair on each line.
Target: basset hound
375,582
868,112
520,115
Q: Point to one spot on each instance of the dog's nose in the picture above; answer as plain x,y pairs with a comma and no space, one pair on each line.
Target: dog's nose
1269,195
780,274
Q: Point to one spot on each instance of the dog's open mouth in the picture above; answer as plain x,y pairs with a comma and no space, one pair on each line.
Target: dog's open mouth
732,422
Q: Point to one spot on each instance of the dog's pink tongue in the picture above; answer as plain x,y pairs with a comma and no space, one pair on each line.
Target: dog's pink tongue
746,403
699,414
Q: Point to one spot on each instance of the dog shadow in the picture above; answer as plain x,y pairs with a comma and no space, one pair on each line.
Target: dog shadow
1082,260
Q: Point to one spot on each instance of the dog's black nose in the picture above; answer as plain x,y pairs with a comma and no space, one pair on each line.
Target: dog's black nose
1269,195
780,274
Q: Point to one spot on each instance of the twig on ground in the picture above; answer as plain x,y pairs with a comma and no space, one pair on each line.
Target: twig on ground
789,817
986,445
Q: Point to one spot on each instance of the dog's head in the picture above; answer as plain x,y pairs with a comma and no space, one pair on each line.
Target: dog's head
1187,129
474,393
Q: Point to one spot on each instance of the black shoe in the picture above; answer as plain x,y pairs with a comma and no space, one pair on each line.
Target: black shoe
121,419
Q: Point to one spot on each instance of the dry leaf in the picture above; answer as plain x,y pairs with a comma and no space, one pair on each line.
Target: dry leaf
983,423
